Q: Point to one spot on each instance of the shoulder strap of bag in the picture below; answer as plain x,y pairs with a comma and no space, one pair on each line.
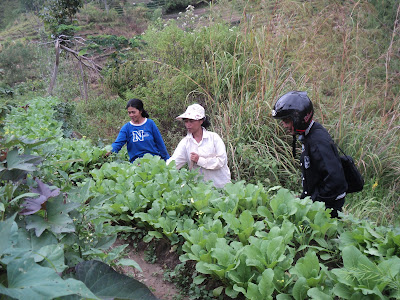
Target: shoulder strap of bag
337,145
340,149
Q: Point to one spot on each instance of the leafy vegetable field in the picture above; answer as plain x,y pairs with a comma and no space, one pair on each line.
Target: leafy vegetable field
63,205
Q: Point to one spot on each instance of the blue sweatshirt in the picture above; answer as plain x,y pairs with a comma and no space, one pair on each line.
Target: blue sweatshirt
141,139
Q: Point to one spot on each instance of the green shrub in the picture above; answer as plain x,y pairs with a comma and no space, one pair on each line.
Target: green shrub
9,11
17,62
93,14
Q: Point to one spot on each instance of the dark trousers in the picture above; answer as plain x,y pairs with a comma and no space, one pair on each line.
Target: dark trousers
335,205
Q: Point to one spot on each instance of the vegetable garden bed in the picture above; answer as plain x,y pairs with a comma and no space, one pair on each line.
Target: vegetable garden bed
256,242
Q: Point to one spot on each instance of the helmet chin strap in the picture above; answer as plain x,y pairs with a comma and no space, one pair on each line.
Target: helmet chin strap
294,141
294,145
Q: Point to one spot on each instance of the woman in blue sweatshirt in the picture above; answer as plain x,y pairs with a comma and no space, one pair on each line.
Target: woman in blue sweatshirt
140,135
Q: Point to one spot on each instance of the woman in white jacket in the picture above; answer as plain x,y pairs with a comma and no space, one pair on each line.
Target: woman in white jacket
202,149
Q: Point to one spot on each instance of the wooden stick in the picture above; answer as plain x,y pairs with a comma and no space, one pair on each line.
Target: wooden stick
53,78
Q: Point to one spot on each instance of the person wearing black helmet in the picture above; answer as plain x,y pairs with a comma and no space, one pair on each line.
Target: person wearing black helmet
323,178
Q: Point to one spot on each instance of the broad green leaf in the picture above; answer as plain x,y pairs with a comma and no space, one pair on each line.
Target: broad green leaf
21,162
155,234
360,274
37,223
80,194
24,142
246,219
129,263
217,291
225,255
275,251
284,297
391,267
300,289
265,212
51,256
344,293
253,292
203,268
283,204
30,242
317,294
243,273
266,286
239,289
307,266
230,292
199,279
323,223
104,282
58,220
104,243
27,280
6,228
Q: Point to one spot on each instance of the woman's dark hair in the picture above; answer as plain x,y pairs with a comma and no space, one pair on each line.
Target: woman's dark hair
138,104
206,122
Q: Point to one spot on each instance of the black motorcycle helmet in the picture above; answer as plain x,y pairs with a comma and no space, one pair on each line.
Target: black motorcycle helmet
296,106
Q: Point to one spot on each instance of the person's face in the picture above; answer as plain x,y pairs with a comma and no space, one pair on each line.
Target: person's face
288,125
192,126
134,114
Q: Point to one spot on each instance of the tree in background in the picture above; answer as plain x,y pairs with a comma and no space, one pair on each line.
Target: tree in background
56,13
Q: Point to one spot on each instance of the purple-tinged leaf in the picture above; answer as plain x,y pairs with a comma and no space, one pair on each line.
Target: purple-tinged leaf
44,189
33,205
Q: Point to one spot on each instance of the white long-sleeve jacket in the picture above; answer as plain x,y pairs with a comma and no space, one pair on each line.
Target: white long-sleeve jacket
213,161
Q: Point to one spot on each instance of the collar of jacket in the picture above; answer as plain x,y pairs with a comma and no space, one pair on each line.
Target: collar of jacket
206,134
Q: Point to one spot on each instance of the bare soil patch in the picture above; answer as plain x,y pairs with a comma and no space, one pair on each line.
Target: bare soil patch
152,274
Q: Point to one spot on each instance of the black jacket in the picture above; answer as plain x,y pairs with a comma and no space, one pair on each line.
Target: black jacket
322,172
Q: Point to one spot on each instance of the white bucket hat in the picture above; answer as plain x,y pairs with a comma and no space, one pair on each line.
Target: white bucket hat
194,112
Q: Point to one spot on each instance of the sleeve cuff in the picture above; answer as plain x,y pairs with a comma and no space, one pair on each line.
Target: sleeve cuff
202,162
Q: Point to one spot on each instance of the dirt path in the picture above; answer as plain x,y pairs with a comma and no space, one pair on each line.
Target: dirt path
152,275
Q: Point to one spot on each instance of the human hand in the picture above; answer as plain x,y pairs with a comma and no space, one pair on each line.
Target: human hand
194,157
107,154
